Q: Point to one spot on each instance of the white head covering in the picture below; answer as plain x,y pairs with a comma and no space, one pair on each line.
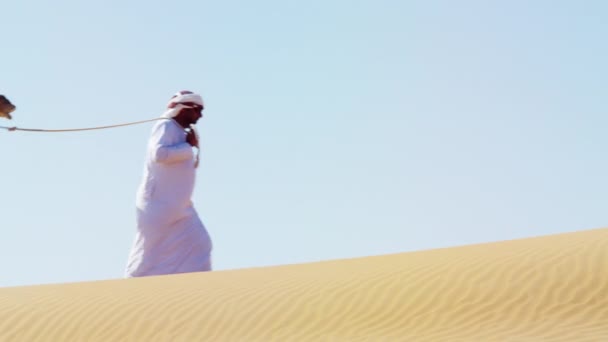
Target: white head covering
177,103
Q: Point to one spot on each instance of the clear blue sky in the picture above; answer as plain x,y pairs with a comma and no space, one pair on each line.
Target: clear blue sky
333,129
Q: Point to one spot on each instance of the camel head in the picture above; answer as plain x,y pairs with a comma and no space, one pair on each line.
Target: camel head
6,107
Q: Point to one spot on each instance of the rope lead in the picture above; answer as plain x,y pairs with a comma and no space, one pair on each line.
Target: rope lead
12,129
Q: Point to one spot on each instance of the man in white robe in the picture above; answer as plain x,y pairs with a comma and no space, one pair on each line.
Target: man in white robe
170,236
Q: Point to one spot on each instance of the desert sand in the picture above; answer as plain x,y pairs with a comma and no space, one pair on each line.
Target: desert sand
549,288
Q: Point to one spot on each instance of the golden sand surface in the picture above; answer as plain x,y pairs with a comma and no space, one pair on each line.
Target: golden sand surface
549,288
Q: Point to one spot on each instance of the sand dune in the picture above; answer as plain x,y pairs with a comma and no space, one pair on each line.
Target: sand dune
551,288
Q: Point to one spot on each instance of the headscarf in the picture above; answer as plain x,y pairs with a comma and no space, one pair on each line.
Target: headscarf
176,104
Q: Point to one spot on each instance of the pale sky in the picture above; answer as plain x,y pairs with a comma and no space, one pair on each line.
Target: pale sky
333,129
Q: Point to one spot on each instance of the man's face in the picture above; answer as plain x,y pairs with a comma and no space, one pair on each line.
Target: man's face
192,114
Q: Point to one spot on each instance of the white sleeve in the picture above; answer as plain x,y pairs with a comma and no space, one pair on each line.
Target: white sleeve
162,151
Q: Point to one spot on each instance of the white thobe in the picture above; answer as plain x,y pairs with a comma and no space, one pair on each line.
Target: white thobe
170,236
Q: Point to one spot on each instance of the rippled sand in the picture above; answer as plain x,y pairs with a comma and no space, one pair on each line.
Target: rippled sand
551,288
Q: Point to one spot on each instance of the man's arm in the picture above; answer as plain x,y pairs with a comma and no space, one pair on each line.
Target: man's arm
162,152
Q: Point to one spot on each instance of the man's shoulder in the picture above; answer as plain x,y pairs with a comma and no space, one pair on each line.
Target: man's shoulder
164,124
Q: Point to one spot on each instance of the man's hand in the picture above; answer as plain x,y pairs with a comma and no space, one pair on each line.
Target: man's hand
192,139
